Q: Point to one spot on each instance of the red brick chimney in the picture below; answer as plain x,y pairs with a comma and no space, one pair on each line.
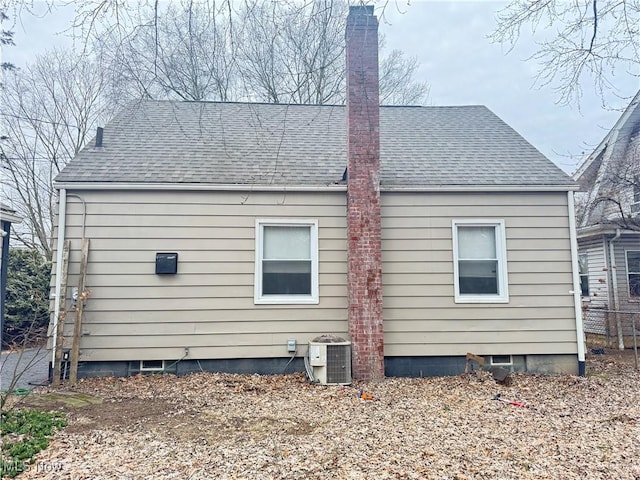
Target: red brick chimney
364,253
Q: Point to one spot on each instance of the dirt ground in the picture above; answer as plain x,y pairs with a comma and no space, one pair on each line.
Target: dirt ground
206,426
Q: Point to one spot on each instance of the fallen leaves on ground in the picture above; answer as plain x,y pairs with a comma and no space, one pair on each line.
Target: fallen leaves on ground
212,425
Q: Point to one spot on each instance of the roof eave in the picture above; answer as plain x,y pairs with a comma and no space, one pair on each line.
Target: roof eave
307,188
603,229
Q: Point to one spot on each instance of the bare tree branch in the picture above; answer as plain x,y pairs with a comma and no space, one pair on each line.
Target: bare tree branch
579,42
50,109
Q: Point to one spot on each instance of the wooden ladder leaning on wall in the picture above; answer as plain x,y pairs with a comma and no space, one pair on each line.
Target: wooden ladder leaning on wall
77,326
61,313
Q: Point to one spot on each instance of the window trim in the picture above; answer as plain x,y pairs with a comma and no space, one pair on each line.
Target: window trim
498,363
258,297
501,256
630,297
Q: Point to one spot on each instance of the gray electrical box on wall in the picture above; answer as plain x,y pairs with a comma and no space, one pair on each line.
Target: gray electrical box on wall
166,263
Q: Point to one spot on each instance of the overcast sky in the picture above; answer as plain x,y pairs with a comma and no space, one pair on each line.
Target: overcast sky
461,66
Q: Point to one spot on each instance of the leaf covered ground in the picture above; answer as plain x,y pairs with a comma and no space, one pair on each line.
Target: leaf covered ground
211,425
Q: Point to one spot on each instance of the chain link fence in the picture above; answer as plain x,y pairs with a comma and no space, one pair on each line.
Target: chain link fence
610,328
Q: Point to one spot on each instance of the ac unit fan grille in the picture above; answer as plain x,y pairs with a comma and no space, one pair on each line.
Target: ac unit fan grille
338,363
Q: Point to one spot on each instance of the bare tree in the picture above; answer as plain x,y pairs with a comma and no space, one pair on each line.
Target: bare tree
50,109
593,40
259,50
397,80
184,52
293,53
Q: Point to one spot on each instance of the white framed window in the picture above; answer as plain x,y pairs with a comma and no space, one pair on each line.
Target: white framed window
583,267
480,261
286,270
633,273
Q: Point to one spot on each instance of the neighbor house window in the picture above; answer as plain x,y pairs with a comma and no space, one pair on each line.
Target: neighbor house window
635,205
286,261
583,267
480,265
633,273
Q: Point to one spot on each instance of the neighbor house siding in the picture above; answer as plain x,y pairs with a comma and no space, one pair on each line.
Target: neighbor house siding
596,252
134,314
599,250
420,315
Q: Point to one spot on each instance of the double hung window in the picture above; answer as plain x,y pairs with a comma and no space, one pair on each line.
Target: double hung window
480,266
286,261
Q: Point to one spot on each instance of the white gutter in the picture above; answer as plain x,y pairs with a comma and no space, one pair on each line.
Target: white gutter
309,188
613,268
597,230
577,303
62,217
482,188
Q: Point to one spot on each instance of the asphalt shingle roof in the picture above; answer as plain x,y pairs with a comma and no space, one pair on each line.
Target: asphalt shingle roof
305,145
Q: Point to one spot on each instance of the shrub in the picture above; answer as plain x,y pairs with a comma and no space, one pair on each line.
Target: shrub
27,301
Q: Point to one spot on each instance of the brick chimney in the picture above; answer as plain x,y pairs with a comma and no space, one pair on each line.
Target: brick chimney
364,253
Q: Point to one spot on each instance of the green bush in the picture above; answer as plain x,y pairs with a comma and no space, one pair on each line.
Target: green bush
25,433
27,301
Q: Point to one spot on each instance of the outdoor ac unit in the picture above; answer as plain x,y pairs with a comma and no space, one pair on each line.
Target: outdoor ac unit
330,362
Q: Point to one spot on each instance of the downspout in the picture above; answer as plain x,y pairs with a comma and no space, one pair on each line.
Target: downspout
62,217
577,303
5,231
614,286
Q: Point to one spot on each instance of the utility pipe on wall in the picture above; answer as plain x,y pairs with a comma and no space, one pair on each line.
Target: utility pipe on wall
62,217
577,303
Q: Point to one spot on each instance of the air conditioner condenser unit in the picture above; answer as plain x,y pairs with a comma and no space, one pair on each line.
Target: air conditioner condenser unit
330,362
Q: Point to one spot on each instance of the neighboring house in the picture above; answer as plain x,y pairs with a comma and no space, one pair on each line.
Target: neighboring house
7,217
219,231
609,220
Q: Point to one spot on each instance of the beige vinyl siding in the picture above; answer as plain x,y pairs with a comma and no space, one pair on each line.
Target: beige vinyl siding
421,317
133,314
596,252
208,306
